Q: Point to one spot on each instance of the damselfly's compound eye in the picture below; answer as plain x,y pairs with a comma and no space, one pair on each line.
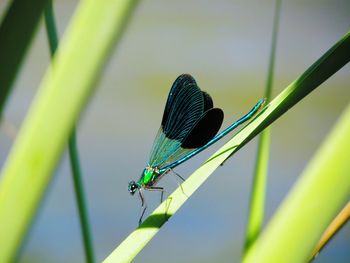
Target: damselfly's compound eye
132,187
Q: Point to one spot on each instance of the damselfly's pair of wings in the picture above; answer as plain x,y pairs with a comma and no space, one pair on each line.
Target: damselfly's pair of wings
189,122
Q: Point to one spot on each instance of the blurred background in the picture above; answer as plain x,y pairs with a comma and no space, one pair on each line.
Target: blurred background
225,45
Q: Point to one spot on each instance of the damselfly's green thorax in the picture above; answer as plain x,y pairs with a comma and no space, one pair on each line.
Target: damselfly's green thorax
149,177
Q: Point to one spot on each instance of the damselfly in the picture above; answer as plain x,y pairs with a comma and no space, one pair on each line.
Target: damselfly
188,126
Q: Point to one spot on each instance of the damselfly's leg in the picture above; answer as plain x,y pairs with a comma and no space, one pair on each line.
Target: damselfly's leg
160,189
171,170
143,206
177,175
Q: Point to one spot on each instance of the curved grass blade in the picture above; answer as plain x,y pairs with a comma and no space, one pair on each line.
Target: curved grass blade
322,190
97,26
72,150
257,198
321,70
16,31
339,221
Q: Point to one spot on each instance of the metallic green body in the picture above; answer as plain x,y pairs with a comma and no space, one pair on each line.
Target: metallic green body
149,177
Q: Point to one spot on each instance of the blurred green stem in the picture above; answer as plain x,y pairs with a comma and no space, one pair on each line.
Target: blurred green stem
257,199
80,196
73,150
51,28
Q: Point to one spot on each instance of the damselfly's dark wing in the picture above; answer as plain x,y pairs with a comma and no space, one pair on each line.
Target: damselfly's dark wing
189,121
205,129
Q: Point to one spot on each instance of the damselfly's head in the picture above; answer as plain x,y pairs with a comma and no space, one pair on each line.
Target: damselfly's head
133,187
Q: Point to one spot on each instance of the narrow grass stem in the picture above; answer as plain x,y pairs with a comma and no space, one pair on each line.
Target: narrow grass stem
72,150
257,198
80,197
50,26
